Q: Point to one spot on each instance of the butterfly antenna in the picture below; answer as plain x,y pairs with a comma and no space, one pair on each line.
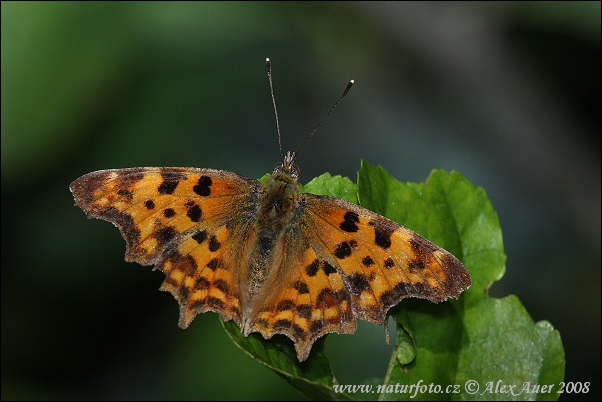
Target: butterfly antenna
327,114
268,66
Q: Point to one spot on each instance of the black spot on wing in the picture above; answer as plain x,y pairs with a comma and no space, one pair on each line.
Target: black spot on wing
203,188
149,204
214,244
312,269
164,235
170,181
367,261
383,229
304,310
349,222
344,249
328,269
194,213
169,212
358,283
301,287
200,236
213,264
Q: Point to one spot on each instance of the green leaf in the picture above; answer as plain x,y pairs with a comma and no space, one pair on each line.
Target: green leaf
313,377
336,186
461,349
474,338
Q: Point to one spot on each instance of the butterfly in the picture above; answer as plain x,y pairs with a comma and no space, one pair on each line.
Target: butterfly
272,259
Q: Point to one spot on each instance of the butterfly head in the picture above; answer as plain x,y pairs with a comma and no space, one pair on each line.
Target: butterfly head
288,165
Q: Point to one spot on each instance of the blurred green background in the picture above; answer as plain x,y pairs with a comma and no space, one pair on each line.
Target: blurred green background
506,93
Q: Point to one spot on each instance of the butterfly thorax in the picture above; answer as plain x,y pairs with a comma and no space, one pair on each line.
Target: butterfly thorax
279,196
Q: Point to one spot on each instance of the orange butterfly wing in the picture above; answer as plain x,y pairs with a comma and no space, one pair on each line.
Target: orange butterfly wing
338,262
189,222
344,262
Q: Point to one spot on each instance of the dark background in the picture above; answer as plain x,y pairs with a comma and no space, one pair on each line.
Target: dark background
506,93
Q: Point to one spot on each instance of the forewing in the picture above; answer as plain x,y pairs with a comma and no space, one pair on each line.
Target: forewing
381,261
187,222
